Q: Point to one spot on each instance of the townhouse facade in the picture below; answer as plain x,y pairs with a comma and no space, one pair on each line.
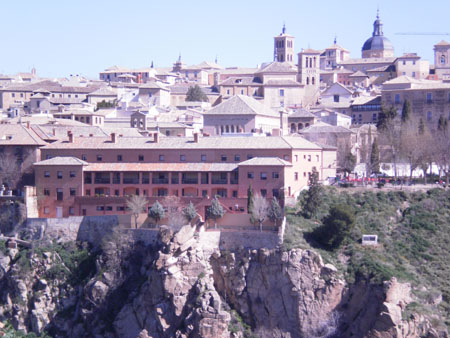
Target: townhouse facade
94,175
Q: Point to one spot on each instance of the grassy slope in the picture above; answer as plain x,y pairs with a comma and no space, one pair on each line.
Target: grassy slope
414,236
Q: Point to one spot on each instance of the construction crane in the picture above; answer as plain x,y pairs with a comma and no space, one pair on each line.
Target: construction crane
421,33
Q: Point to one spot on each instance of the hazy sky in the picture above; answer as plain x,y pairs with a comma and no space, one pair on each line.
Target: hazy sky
62,37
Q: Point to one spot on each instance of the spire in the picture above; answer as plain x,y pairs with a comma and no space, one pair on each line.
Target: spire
151,65
216,60
284,28
179,57
377,26
335,39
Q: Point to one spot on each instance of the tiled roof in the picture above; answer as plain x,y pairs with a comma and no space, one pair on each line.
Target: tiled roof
50,86
302,113
62,160
442,43
278,67
241,105
161,166
322,127
311,51
153,85
182,89
239,71
241,81
17,134
238,142
358,74
104,91
368,60
270,161
283,82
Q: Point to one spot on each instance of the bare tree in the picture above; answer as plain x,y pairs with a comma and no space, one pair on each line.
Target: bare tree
345,159
389,129
411,144
442,146
10,172
137,205
260,209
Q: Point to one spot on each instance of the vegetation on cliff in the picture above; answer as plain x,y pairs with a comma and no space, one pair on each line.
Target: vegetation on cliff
413,235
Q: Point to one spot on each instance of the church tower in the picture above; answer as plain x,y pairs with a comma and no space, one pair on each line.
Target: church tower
283,47
377,46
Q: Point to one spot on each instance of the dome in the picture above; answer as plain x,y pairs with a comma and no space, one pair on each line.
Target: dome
378,43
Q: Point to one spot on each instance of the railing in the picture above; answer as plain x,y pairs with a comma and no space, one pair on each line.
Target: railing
219,181
189,180
160,180
234,181
130,180
102,180
116,180
87,180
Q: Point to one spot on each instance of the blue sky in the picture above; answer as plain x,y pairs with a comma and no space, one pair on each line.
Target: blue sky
61,37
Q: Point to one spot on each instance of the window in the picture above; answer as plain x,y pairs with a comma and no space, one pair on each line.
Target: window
235,193
204,193
119,158
404,62
374,117
317,158
296,176
249,157
88,192
250,174
109,208
397,98
413,74
182,158
442,59
59,175
263,176
223,158
336,98
275,174
72,174
281,92
73,191
228,92
203,158
141,158
429,97
263,192
309,158
84,157
46,210
304,174
237,158
46,192
242,91
100,208
13,95
99,158
429,116
47,157
120,208
296,158
71,211
286,157
161,158
275,193
47,174
59,194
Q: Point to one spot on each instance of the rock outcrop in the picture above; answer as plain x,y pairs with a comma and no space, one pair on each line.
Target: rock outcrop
182,288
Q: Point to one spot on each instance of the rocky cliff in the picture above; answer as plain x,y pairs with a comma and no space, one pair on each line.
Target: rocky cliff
179,288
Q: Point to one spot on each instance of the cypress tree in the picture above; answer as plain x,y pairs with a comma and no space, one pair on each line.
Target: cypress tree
375,157
313,196
406,111
250,196
421,127
442,123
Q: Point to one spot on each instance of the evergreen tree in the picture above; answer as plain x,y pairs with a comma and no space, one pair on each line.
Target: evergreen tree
250,196
313,197
190,212
156,212
195,94
386,117
442,124
337,226
375,157
275,212
216,211
406,111
421,127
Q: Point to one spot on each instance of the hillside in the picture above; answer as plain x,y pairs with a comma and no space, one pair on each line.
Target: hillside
413,231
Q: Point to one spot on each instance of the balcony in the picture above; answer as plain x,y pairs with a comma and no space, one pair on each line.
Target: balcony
102,180
190,178
130,180
219,181
160,180
175,179
87,180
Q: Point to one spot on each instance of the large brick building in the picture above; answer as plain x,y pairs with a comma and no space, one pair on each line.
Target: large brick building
94,175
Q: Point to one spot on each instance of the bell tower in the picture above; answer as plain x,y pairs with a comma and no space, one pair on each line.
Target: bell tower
283,47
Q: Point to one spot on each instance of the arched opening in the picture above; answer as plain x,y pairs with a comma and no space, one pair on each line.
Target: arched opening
306,125
313,81
307,80
293,128
300,126
306,64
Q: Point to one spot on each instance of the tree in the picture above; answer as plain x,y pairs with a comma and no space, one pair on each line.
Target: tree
442,147
390,131
137,205
259,210
406,111
156,212
313,197
250,196
375,158
195,94
337,226
10,172
275,212
190,212
346,160
215,210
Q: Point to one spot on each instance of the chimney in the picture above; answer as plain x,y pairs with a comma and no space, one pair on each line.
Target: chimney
113,137
155,137
276,132
195,137
69,133
283,122
28,124
54,131
91,135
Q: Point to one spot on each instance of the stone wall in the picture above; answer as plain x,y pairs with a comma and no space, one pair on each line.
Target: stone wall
230,240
